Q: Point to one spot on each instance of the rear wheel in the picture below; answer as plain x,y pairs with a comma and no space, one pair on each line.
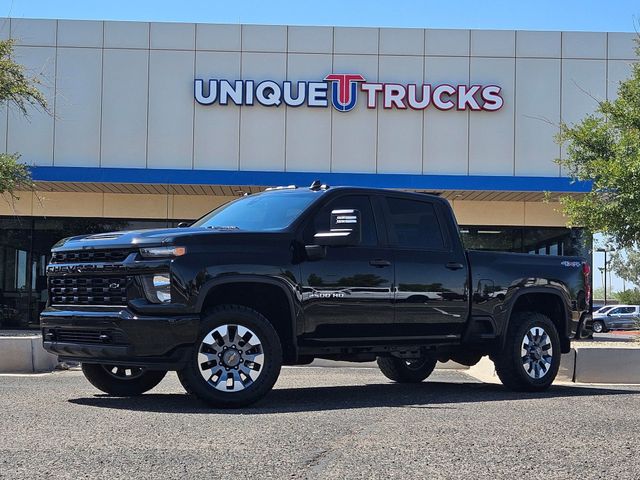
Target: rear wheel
530,359
236,360
122,381
406,370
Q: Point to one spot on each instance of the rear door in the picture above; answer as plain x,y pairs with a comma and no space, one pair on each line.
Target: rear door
430,268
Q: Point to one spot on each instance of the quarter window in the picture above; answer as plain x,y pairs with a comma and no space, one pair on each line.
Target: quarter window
414,224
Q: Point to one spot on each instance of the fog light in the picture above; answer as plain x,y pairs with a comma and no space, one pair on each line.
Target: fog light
158,288
162,284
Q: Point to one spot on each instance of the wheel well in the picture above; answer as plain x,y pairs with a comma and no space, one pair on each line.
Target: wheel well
267,299
547,304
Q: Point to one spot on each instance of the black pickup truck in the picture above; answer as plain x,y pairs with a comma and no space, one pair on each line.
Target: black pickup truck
292,274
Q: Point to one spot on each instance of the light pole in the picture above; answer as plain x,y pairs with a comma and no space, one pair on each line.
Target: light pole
602,278
605,250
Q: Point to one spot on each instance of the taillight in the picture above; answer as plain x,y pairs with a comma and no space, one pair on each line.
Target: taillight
586,272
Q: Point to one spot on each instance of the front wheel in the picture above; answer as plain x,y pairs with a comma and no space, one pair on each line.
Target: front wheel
530,359
236,360
122,381
406,370
598,326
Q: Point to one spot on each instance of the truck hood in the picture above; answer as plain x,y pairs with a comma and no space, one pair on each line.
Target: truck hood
127,239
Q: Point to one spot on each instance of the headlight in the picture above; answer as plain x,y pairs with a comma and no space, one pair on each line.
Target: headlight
162,252
158,288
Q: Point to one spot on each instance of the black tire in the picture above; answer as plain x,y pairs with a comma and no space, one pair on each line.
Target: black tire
598,326
406,371
583,332
109,379
510,363
192,376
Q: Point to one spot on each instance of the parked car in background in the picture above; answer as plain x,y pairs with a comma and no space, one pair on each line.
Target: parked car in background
620,317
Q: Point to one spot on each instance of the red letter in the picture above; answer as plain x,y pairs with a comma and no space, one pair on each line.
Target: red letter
466,97
394,95
371,89
492,99
413,101
439,103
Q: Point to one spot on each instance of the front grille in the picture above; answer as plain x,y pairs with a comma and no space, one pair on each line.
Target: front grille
85,336
88,290
82,256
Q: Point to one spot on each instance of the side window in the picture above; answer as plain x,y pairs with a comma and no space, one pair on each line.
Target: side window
629,310
616,311
320,222
414,224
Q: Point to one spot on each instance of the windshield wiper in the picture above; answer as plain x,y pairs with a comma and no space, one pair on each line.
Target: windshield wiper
223,227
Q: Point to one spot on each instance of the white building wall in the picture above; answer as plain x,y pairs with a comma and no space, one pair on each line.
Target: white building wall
122,96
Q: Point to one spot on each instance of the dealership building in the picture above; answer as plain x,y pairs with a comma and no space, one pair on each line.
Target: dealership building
156,123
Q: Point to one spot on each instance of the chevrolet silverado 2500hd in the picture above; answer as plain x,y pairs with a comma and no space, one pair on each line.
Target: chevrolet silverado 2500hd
292,274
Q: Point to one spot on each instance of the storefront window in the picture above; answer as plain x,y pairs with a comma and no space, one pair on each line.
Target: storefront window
533,240
25,246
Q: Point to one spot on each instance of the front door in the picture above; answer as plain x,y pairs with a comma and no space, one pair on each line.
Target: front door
430,269
623,318
348,293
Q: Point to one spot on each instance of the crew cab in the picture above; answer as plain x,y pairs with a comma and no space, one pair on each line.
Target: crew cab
292,274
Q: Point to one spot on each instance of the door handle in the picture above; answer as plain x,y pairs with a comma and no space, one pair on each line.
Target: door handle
379,263
454,266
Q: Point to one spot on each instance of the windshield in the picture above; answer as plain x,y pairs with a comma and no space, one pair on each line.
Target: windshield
261,212
603,309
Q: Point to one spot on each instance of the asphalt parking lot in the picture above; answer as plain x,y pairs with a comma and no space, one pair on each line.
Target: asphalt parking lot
320,423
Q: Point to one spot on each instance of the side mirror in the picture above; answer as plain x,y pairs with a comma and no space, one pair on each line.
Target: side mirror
345,229
184,225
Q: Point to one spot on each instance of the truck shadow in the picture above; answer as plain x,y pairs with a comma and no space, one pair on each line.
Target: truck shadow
436,395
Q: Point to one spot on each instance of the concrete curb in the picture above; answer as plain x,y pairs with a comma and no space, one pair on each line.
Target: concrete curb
607,365
25,355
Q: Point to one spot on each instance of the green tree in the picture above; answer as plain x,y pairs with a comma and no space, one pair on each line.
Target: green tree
628,297
626,265
19,90
605,149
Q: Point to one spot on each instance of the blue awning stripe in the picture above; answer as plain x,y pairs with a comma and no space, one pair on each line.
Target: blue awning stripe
258,178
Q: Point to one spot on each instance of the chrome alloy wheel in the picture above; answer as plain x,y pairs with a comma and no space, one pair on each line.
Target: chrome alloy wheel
230,358
537,353
123,373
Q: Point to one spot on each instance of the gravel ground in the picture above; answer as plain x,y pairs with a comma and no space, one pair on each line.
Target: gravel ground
320,423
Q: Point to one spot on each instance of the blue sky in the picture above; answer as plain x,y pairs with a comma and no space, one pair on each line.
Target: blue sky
603,15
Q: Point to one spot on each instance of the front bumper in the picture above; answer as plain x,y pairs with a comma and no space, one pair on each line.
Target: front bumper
119,337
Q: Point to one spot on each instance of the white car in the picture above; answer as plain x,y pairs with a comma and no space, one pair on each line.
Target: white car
620,317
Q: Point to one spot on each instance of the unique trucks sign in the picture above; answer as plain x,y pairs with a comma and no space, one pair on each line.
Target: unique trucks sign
341,89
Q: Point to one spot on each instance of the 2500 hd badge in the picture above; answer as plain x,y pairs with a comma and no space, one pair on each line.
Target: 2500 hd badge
292,274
